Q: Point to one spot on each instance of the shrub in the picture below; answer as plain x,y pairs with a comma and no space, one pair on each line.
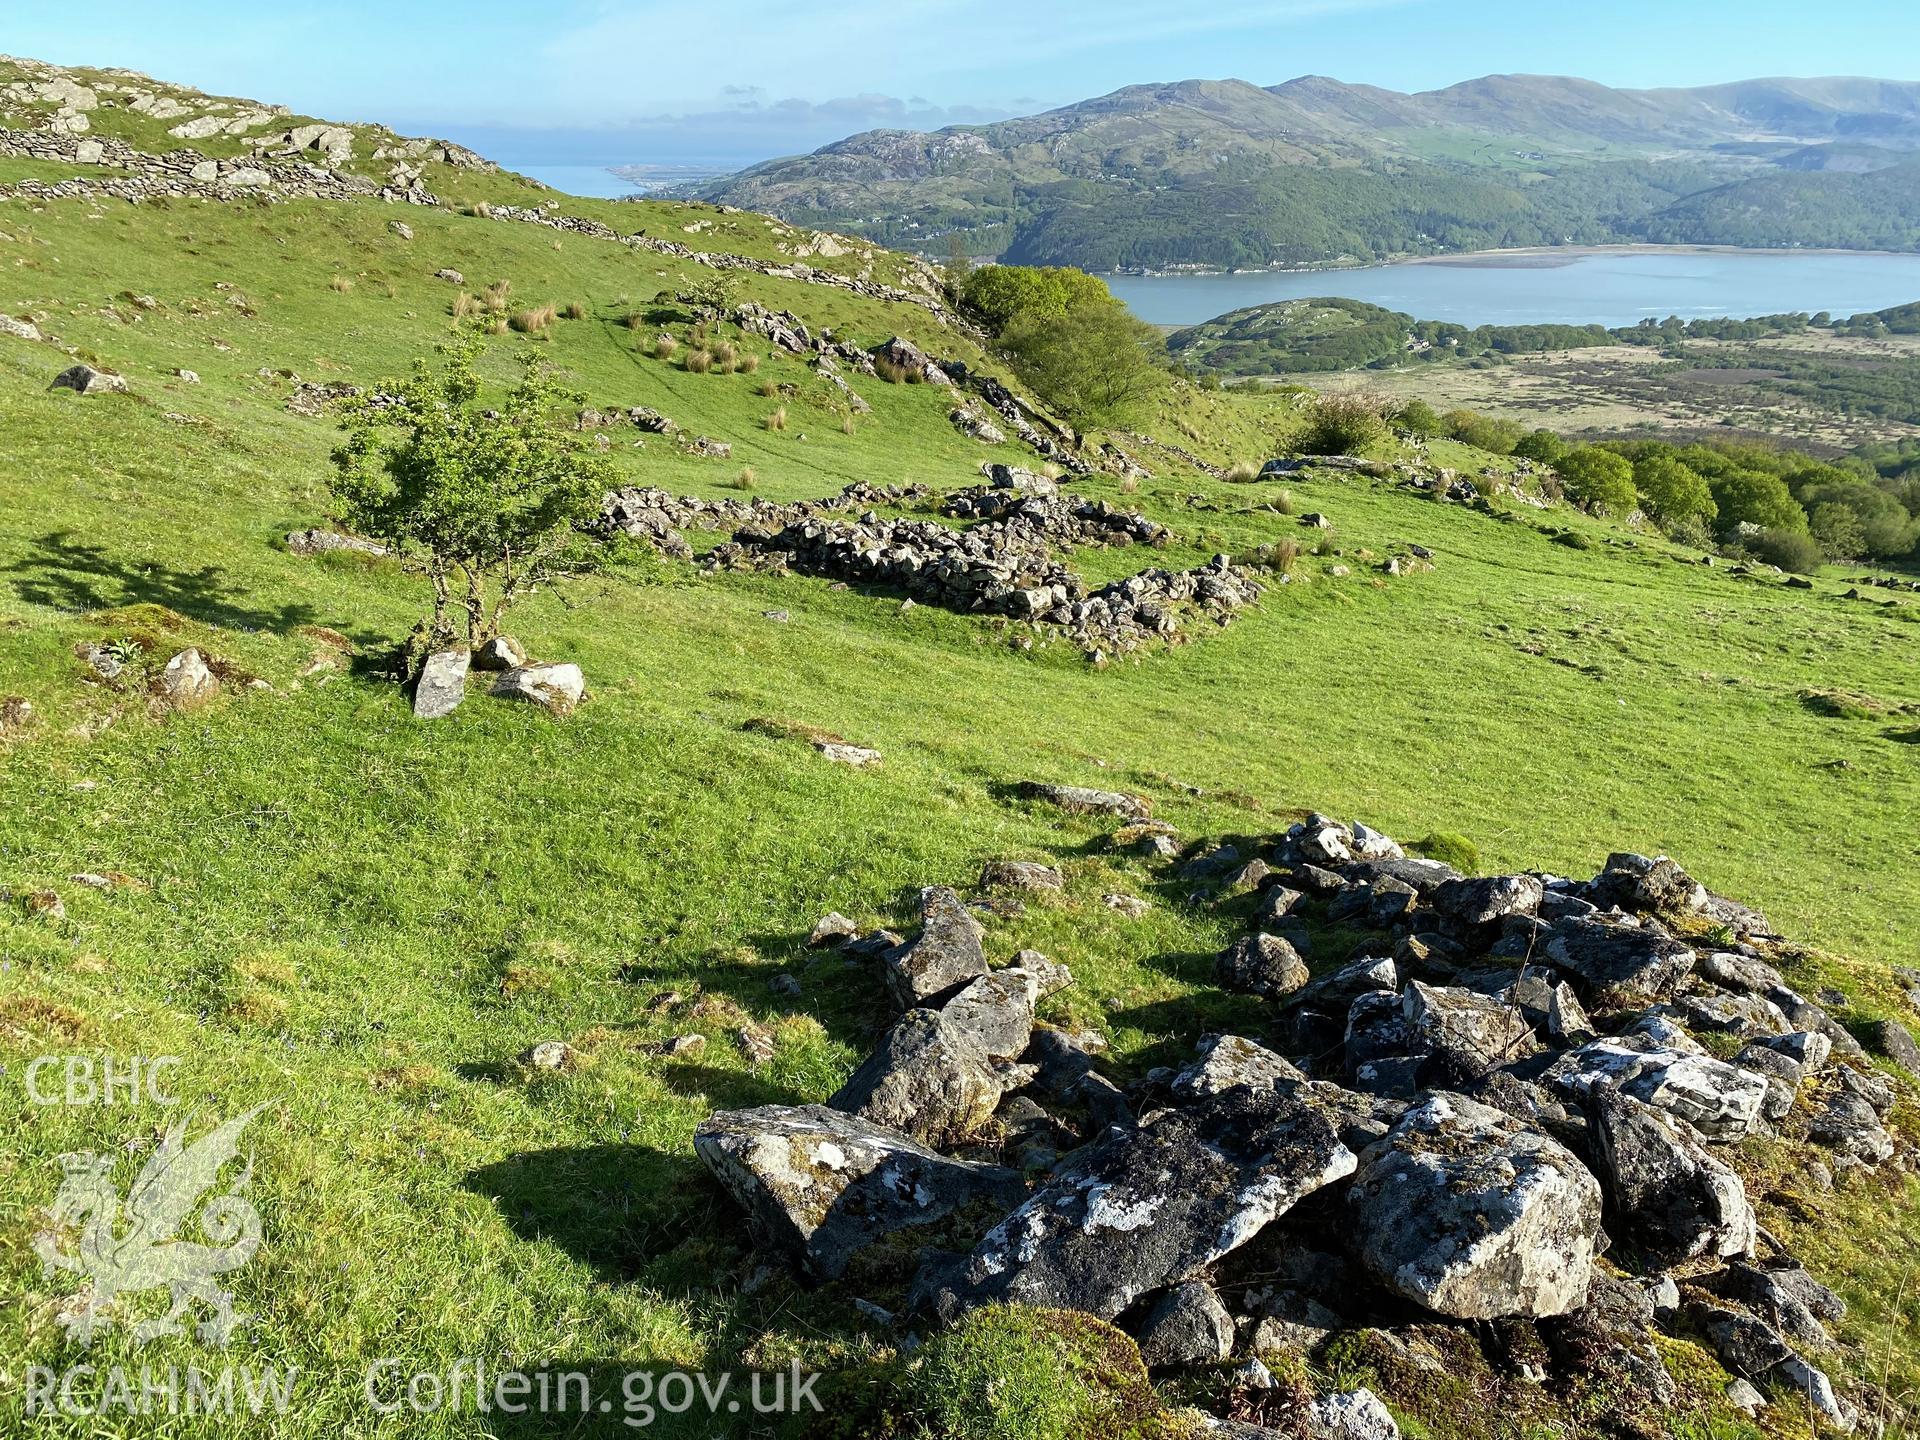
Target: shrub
1672,492
574,311
1483,432
1450,848
1096,365
846,425
1417,417
487,497
777,420
1541,446
1004,295
698,362
1753,497
1130,485
1793,550
1598,480
1342,425
1836,528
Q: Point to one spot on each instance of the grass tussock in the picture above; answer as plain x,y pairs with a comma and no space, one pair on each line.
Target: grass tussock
748,364
1242,472
497,296
698,362
767,389
776,420
535,321
664,347
575,311
465,305
340,285
746,479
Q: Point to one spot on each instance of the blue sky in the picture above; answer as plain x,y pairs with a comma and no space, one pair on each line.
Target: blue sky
703,81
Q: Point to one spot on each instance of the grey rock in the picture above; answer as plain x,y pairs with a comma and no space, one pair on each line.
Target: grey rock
1782,1074
1145,1208
1895,1041
1227,1061
1467,1034
1467,1212
502,652
1732,971
833,928
187,681
1663,1184
948,952
1276,904
928,1079
1351,1415
1019,875
1483,901
1610,1334
1261,964
1746,1345
1787,1298
996,1011
1079,800
555,687
1338,989
1186,1326
554,1056
824,1185
1620,965
86,380
1810,1381
1721,1101
1743,1395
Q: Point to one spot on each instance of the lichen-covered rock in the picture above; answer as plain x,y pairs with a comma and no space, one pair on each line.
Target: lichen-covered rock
1261,964
928,1078
187,681
1619,964
1228,1061
1079,800
1019,875
1467,1034
1608,1337
824,1185
554,686
1467,1212
1145,1208
86,380
1486,900
1659,1178
1351,1415
947,953
1721,1101
995,1011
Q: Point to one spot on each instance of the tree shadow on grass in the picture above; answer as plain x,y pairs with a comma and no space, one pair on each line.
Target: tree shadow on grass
619,1208
64,572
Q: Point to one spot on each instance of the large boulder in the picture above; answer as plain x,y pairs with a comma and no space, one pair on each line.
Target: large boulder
1675,1197
86,380
554,686
824,1185
947,953
1619,964
929,1079
1471,1214
1489,899
1721,1101
995,1011
1146,1208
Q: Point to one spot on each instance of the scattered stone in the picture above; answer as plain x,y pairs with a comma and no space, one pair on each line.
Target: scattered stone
86,380
1263,965
442,684
1078,800
1658,1176
841,753
1144,1208
685,1047
556,687
784,985
1019,875
1895,1041
554,1056
187,681
502,652
318,542
833,928
928,1079
20,329
1132,907
1351,1415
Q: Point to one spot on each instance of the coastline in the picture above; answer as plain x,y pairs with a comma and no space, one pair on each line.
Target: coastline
1534,257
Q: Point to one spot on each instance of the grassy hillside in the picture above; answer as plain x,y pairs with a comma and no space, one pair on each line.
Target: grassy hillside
316,900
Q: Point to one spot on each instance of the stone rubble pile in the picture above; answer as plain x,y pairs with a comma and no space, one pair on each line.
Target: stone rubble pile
1054,519
649,513
1507,1079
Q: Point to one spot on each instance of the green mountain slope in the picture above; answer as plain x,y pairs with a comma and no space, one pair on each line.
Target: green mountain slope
1315,170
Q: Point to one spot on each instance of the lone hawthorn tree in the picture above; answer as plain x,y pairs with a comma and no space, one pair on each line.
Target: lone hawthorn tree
489,502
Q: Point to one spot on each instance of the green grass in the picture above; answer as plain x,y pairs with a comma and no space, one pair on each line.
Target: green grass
366,919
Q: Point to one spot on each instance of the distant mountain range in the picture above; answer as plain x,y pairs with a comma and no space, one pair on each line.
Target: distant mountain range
1222,173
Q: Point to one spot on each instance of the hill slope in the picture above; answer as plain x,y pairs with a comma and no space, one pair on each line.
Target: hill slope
1138,177
316,900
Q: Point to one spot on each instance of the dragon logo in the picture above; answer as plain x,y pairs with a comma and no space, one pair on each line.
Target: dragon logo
145,1252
